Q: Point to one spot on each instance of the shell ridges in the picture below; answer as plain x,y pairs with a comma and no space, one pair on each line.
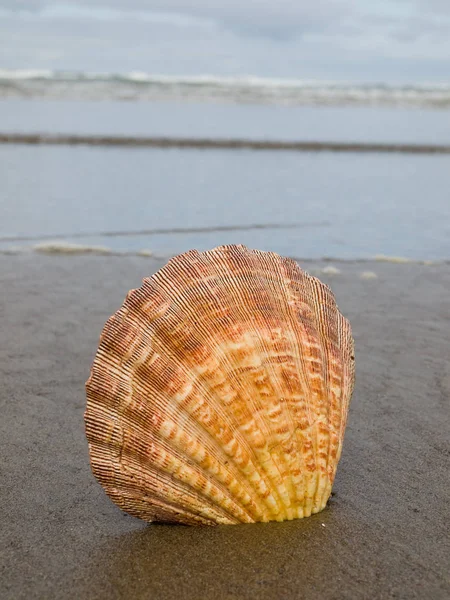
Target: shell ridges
220,390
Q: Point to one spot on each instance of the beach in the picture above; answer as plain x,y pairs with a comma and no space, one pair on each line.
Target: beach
305,204
384,533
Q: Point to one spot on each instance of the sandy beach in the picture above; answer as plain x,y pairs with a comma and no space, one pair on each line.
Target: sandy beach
385,532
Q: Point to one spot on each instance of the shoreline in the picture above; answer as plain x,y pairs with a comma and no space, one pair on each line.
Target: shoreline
218,144
63,248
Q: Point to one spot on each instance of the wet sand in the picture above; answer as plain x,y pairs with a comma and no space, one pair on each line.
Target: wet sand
385,533
218,143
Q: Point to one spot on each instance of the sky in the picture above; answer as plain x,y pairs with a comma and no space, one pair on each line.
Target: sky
338,40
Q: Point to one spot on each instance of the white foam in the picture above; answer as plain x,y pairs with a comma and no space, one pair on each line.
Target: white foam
26,74
393,259
13,250
248,88
330,270
368,275
67,248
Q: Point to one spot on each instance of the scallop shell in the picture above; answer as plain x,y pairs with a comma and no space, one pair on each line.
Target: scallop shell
220,390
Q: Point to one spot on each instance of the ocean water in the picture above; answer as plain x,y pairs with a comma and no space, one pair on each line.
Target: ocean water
303,204
138,86
221,120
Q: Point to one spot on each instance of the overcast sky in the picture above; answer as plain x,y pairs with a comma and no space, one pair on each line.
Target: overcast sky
357,40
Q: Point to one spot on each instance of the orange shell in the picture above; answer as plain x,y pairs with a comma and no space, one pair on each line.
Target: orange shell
220,390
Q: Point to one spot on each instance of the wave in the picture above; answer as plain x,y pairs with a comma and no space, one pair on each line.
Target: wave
141,86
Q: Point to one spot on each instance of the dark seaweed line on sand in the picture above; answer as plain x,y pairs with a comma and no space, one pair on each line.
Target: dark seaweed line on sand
218,144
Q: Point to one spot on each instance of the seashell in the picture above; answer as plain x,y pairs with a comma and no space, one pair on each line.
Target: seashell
220,390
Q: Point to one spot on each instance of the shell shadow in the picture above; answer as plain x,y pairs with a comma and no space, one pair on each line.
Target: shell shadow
242,561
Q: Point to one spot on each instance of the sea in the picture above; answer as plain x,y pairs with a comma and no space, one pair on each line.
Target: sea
330,202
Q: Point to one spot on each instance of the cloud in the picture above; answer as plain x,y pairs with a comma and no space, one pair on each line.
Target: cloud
263,17
434,7
281,19
327,39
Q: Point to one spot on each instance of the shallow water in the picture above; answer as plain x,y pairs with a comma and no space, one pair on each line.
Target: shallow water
188,119
338,205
